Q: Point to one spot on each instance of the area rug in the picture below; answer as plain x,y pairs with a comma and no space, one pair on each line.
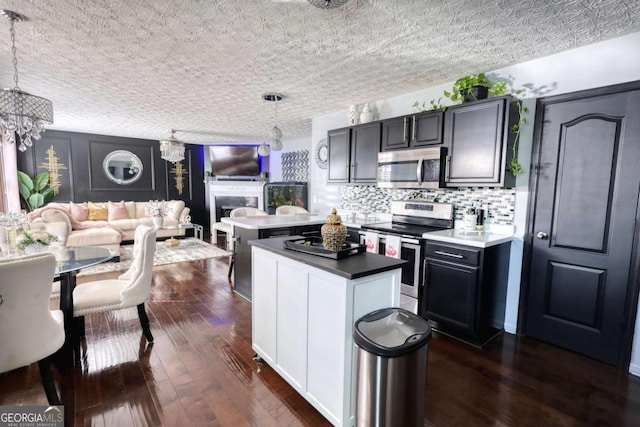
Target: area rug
190,249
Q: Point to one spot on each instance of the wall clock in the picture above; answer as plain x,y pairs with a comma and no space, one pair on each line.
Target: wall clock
322,154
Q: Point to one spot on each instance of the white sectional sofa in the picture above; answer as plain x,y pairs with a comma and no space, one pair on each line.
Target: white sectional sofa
110,234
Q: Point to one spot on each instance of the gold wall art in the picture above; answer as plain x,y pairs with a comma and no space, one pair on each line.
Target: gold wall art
53,165
178,171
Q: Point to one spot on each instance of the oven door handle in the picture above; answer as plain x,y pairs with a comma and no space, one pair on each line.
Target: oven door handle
419,171
410,243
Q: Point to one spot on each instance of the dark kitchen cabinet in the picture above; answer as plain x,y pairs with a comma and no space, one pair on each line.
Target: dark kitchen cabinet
353,154
464,292
413,131
479,143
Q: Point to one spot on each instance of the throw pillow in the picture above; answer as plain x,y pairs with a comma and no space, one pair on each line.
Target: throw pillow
79,212
98,212
116,211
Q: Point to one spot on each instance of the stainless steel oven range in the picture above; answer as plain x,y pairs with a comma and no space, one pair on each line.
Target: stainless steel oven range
410,219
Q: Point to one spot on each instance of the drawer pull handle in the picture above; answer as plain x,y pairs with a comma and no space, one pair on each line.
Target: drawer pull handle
308,233
449,254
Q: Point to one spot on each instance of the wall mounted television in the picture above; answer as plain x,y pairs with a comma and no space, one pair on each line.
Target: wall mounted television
240,161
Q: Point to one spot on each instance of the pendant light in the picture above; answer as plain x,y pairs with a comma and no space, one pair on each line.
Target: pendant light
21,112
276,133
264,149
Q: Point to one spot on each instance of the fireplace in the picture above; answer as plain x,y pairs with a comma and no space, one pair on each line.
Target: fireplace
228,195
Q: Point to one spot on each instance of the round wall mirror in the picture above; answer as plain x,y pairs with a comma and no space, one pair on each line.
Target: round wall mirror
122,167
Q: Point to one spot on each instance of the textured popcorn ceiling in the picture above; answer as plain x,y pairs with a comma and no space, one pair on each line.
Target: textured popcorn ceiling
139,67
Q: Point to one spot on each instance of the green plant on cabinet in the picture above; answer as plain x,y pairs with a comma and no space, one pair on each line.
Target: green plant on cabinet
463,88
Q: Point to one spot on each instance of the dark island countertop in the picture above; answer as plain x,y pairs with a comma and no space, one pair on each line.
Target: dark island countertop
351,267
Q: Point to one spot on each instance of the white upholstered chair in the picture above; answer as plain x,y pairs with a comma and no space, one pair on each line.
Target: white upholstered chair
290,210
130,289
238,212
29,331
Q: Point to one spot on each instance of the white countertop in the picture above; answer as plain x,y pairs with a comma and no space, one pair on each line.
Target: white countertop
479,239
275,221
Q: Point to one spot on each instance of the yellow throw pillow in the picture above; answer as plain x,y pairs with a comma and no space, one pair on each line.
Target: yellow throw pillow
98,212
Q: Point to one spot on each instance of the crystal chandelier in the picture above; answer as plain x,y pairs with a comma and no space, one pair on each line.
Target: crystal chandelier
21,112
172,149
327,4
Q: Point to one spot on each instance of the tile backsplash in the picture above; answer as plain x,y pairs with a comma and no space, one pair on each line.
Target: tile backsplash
295,166
499,202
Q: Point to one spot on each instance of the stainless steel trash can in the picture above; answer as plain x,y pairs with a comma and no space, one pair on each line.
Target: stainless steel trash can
392,346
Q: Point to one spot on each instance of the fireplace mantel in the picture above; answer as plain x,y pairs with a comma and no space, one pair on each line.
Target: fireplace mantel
234,194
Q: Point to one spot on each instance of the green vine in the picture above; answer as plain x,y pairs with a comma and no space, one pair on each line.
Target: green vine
433,105
514,167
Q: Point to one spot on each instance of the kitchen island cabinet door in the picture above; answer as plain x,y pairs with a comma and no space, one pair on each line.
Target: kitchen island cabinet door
292,323
327,338
265,305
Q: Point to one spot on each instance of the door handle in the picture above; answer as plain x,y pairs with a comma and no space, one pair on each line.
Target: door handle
541,235
447,168
419,171
413,129
405,137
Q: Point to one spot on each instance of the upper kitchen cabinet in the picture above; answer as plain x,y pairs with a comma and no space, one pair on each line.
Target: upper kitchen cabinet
479,143
353,154
417,130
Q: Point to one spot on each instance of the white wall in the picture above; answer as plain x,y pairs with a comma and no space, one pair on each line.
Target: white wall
275,158
601,64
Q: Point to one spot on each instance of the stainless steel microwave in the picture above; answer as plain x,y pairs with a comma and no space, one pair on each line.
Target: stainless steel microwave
418,168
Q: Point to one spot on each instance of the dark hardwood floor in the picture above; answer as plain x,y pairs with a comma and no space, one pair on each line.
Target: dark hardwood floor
200,371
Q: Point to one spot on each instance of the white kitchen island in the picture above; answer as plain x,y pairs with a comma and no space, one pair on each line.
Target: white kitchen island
303,311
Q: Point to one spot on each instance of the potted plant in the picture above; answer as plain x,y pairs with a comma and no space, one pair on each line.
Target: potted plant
34,192
469,88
